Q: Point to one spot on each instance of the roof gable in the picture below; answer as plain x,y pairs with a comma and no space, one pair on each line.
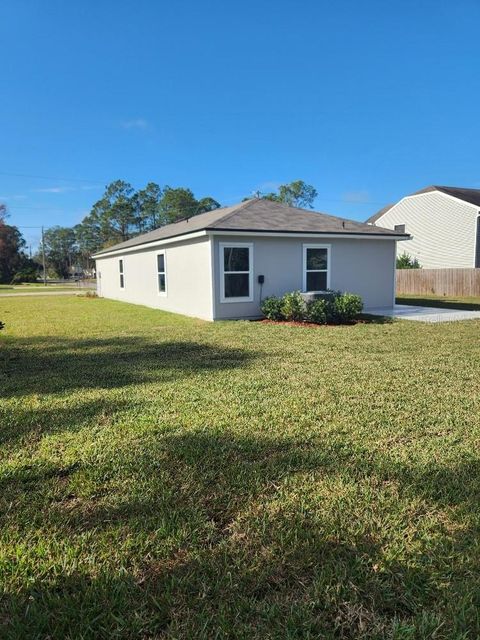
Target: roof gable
472,196
380,213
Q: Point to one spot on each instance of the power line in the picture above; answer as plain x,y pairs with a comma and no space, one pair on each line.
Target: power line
25,175
27,208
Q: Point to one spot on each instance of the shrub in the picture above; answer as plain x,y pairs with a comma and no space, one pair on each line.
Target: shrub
271,308
405,261
293,306
27,274
345,307
317,311
335,308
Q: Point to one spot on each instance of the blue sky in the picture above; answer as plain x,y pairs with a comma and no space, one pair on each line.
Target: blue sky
367,101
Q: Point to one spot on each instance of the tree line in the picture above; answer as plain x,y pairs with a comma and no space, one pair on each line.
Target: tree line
120,214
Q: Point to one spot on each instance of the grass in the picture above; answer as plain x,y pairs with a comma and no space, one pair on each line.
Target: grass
467,303
161,477
38,288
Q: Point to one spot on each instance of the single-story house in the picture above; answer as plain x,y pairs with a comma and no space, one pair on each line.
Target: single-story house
444,223
221,264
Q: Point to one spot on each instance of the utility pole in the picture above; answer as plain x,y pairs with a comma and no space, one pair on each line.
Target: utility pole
43,259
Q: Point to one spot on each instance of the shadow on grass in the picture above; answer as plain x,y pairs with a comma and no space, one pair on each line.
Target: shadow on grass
438,303
221,538
367,318
47,365
34,423
81,606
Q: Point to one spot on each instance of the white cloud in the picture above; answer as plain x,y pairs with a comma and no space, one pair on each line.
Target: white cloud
269,185
13,197
53,190
356,196
135,123
66,189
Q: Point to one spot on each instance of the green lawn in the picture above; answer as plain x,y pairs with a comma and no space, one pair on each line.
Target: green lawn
40,288
162,477
469,303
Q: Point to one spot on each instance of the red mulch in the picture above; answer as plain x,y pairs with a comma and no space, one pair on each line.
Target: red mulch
313,325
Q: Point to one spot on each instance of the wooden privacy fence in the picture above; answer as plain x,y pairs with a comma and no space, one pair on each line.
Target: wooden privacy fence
442,282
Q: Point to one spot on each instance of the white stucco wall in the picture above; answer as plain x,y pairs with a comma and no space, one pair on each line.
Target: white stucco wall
366,267
189,285
363,266
443,229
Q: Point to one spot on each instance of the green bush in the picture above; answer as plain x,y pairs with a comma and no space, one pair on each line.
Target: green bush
345,307
405,261
271,308
334,308
317,311
293,306
25,275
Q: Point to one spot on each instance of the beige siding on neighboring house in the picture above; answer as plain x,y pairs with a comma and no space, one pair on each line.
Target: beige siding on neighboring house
443,229
188,278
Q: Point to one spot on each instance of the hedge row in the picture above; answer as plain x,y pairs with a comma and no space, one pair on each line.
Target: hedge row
336,308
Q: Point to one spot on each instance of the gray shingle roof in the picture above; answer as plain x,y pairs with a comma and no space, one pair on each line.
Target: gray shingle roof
258,215
462,193
380,213
467,195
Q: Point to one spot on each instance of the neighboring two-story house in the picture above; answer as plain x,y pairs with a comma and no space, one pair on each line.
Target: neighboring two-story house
444,225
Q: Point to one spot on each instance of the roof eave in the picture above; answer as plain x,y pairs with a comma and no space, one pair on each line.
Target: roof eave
219,230
345,232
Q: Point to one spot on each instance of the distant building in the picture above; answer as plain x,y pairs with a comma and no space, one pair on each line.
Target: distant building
444,223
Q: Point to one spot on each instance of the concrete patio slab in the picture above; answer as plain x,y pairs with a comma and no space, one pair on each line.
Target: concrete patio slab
424,314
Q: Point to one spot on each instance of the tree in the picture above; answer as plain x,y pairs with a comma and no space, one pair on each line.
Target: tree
207,204
60,249
12,246
177,203
181,203
295,194
114,213
88,240
147,207
405,261
28,271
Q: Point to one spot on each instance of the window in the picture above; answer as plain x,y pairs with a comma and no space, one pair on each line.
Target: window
161,273
122,277
236,268
399,227
316,267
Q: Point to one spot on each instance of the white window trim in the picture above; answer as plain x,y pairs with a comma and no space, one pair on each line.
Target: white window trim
121,273
163,253
249,246
328,247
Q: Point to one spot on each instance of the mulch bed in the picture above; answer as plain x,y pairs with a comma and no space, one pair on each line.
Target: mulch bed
292,323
